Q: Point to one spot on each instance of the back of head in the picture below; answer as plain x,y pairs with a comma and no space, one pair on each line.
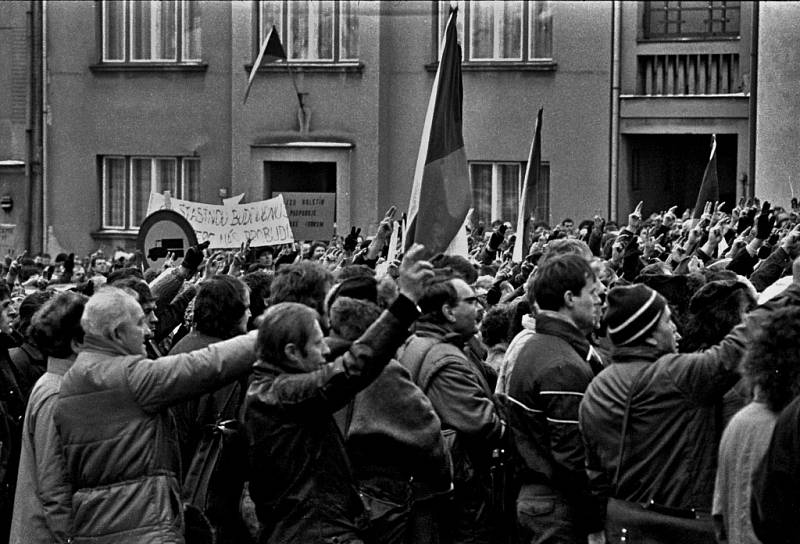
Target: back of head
566,246
772,361
460,266
220,305
260,285
350,317
106,310
556,276
123,273
438,292
284,323
56,326
495,325
305,282
633,314
714,310
29,306
137,285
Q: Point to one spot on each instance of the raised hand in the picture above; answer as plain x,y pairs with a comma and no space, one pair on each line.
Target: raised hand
635,217
414,273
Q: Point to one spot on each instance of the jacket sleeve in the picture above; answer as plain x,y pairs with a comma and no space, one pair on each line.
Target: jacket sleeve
743,263
170,315
771,269
163,382
462,403
166,286
332,386
598,482
52,483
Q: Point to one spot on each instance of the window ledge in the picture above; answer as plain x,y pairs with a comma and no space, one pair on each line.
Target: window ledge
148,67
332,67
116,234
690,39
502,66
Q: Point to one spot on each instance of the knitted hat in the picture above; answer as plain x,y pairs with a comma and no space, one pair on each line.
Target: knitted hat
633,311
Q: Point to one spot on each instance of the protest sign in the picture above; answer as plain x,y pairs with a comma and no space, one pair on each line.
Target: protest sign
264,223
310,214
161,233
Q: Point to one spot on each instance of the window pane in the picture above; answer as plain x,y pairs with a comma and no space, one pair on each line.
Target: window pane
481,30
542,192
113,31
349,29
541,23
140,190
166,176
310,30
191,180
509,192
444,13
695,18
114,192
191,30
481,178
511,32
270,16
153,29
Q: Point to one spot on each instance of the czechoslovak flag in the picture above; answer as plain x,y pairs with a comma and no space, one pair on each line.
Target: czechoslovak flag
441,196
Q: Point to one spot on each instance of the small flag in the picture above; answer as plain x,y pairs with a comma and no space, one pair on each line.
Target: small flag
271,51
523,243
440,195
709,187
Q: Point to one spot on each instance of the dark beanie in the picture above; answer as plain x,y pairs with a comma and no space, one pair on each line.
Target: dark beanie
633,311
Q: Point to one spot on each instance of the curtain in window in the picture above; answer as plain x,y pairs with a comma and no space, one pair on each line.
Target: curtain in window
496,30
271,14
511,31
541,30
482,30
191,31
113,31
153,29
166,176
141,183
114,192
311,30
191,180
509,192
348,23
541,210
444,13
481,178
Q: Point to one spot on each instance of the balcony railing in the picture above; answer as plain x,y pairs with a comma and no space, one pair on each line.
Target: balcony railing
688,74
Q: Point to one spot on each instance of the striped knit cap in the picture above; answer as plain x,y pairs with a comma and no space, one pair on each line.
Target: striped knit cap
633,311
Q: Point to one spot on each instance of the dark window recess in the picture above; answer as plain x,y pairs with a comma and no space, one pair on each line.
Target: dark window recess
299,177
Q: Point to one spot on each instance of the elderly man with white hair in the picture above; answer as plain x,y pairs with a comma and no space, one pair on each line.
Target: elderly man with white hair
118,438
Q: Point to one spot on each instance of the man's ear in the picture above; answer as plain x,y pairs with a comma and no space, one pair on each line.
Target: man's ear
447,312
569,299
292,352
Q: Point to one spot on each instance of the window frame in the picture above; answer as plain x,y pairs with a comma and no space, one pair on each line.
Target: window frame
527,35
180,38
496,204
337,29
648,7
128,190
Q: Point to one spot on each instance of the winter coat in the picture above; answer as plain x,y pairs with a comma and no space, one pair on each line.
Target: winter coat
119,441
301,480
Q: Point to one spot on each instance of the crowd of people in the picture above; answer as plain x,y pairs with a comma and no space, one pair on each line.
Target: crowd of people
634,383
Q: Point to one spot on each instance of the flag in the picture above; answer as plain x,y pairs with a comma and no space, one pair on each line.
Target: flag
523,243
440,194
709,187
271,50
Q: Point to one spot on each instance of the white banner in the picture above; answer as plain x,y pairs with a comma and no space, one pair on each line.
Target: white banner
264,223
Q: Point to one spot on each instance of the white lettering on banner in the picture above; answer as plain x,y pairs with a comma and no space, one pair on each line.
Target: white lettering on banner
265,222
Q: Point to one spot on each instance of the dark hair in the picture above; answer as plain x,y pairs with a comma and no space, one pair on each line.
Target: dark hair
305,282
29,306
565,246
284,323
460,266
439,291
353,271
714,310
558,275
495,325
138,286
773,360
5,290
57,324
124,273
350,317
260,284
220,305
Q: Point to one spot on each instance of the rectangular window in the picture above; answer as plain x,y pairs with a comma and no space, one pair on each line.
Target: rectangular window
312,30
502,31
164,31
495,191
128,181
706,19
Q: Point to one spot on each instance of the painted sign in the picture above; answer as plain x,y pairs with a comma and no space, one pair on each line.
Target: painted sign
161,233
310,214
264,223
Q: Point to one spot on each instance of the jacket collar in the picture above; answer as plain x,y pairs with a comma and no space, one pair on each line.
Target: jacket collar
427,329
554,324
59,366
94,342
632,354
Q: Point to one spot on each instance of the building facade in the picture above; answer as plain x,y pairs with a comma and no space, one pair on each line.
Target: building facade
143,96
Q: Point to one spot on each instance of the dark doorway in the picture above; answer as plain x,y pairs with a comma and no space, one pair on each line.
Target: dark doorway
667,169
299,177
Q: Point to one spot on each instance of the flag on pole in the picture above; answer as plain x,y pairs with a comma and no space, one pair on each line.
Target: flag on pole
709,187
440,195
271,50
523,243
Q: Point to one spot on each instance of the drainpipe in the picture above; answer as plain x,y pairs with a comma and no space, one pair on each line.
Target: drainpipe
45,120
613,146
753,103
33,125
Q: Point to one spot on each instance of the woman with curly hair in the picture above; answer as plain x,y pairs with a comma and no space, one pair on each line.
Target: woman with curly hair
772,368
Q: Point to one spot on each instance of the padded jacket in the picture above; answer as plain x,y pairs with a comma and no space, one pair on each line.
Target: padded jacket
119,440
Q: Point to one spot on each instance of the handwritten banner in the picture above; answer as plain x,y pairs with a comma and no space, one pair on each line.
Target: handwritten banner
264,223
310,214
